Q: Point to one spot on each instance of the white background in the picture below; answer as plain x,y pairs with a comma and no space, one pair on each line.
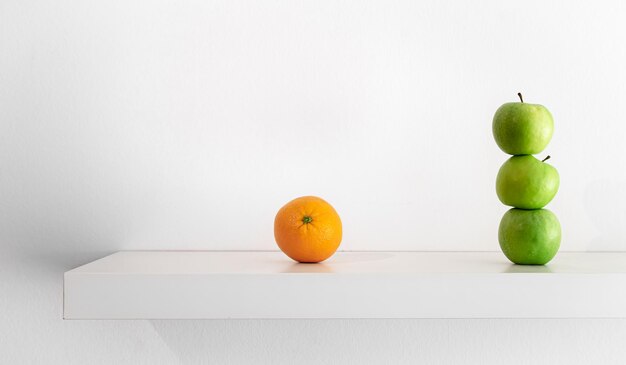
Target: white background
187,124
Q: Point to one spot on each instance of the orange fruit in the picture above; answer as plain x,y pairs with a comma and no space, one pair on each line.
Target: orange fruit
308,229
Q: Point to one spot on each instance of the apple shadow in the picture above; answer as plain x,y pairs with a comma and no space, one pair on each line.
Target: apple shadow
527,269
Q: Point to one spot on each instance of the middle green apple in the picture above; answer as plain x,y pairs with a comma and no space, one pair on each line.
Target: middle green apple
525,182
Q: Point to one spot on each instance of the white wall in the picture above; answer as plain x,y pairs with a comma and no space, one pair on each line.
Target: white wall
187,124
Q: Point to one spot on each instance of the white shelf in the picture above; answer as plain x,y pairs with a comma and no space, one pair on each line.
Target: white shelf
211,285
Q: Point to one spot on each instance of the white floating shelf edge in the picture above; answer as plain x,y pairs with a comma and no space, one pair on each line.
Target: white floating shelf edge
268,285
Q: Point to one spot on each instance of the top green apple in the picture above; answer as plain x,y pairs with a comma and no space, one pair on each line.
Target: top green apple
522,128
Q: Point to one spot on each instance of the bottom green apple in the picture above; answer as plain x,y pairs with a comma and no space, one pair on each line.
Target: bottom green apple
529,237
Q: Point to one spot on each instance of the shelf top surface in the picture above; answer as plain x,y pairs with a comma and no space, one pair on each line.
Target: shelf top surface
353,262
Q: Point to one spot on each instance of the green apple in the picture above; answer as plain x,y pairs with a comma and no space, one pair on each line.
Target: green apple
527,183
529,237
522,128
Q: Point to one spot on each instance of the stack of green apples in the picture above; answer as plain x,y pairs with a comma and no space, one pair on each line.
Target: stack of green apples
528,234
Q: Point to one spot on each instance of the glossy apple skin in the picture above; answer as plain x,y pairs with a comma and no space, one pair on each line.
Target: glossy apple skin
522,128
527,183
529,237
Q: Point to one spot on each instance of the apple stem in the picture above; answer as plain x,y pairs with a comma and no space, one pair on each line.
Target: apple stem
520,97
546,159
